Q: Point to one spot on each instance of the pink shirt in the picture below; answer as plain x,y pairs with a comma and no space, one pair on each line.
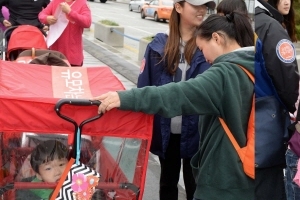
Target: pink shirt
70,41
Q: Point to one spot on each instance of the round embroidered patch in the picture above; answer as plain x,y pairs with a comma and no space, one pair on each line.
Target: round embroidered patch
285,51
142,67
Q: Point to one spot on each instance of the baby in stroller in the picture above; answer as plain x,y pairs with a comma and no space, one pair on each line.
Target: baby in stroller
48,161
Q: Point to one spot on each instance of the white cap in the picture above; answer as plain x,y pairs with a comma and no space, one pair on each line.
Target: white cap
209,3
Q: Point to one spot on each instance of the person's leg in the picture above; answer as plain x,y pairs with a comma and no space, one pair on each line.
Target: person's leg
291,188
170,170
269,184
189,181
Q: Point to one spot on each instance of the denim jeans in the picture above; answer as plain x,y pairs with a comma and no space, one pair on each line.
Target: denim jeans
291,188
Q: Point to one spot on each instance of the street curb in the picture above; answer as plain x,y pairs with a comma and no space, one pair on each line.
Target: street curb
122,66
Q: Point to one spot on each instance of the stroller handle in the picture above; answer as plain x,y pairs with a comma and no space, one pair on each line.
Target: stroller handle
77,102
77,133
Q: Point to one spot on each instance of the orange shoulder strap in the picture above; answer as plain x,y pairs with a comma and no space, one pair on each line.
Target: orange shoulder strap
247,153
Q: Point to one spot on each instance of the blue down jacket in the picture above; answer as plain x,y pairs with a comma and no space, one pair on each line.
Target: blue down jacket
153,72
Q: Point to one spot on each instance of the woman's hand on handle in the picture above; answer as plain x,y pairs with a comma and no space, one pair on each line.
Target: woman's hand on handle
108,101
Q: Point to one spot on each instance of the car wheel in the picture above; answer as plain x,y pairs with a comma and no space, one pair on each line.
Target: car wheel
102,1
143,14
156,17
130,9
139,9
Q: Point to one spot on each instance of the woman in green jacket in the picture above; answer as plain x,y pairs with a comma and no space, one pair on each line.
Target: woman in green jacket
224,90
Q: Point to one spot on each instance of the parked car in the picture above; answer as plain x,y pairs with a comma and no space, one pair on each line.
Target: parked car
157,9
137,4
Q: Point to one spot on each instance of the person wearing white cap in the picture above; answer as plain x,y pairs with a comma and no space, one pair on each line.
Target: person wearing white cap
174,57
208,3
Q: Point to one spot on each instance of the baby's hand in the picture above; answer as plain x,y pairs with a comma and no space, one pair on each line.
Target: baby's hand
6,23
51,19
46,28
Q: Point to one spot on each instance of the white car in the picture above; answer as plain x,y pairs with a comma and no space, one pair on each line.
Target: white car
137,4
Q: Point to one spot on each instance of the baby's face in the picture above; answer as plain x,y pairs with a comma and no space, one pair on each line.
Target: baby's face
52,170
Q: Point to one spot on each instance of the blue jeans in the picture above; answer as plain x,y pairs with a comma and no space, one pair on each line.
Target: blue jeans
292,189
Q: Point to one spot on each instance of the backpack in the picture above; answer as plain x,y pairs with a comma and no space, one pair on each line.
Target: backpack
280,56
271,117
246,153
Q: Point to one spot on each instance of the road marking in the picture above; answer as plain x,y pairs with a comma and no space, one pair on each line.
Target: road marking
127,16
140,30
130,48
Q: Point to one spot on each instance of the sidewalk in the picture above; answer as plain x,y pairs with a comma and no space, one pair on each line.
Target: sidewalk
90,61
123,60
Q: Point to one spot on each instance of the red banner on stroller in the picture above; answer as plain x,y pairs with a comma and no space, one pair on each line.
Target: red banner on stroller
116,145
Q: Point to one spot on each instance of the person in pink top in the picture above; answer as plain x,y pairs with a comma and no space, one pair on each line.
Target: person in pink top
70,41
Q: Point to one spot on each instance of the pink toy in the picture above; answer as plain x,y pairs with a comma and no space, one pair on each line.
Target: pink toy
5,13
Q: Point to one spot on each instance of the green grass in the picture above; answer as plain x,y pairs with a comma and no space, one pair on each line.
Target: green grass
109,22
297,13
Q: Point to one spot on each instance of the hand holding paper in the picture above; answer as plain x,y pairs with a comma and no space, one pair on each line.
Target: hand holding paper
60,22
65,7
51,19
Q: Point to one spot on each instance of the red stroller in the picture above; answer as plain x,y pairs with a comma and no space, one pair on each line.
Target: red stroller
19,38
115,145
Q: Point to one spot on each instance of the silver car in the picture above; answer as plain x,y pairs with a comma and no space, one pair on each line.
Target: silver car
137,4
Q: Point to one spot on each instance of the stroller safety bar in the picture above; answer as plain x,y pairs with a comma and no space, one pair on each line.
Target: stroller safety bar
32,185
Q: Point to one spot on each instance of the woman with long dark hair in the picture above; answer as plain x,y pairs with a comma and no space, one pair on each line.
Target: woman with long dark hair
174,57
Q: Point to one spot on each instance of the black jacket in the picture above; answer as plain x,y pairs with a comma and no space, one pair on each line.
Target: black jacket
24,11
279,54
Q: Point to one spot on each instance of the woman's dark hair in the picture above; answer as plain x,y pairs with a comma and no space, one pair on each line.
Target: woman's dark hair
228,6
235,25
47,151
288,20
171,50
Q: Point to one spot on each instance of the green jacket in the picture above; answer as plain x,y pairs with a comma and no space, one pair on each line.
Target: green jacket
225,91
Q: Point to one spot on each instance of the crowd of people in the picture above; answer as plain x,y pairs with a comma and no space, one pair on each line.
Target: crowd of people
193,77
226,40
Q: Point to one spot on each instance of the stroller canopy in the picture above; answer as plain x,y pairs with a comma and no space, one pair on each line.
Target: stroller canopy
28,95
26,37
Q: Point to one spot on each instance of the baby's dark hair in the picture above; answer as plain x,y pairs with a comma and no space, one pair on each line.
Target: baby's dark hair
47,151
235,25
